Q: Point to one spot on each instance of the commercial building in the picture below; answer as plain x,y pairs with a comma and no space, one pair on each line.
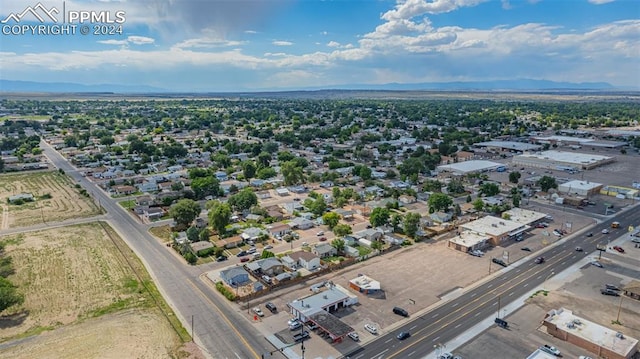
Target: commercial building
468,241
539,354
580,188
618,191
462,168
365,285
495,229
561,160
599,340
524,216
507,146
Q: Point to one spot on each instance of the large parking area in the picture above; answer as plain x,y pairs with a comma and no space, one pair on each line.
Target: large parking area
579,292
415,278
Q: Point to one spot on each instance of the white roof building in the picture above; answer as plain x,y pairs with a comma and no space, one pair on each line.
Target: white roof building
580,188
497,229
554,159
509,145
524,216
468,241
602,341
472,166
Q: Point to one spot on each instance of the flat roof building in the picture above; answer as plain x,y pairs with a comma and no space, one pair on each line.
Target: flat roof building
365,285
508,146
468,241
524,216
497,229
602,341
561,160
539,354
462,168
580,188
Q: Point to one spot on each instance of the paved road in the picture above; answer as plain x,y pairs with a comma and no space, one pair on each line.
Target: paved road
452,318
219,330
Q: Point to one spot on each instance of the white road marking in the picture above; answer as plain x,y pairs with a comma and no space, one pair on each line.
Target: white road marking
540,276
410,354
412,328
510,294
495,303
490,285
517,270
457,326
435,315
477,314
435,339
388,340
563,262
525,285
382,352
454,305
473,295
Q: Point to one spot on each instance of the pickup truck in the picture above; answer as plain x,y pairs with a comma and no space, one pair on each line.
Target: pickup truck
301,336
550,349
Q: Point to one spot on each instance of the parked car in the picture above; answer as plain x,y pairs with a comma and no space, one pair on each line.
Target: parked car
557,233
400,311
499,261
241,253
584,357
221,258
526,249
295,325
311,325
540,260
320,233
258,312
371,329
619,249
268,247
611,286
292,321
611,292
550,349
322,239
446,356
301,336
272,307
245,259
476,253
403,335
597,264
354,336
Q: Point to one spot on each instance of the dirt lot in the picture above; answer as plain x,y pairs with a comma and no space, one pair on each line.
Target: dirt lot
78,285
65,201
581,295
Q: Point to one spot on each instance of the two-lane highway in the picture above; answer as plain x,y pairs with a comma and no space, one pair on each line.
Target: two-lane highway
451,319
220,331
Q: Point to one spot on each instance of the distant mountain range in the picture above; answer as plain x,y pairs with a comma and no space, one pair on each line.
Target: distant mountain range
498,85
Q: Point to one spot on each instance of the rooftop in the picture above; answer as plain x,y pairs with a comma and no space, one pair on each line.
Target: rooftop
493,226
518,146
366,282
314,303
468,239
595,333
470,166
581,185
566,157
524,216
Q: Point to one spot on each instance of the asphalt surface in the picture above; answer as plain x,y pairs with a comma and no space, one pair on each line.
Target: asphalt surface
452,318
219,330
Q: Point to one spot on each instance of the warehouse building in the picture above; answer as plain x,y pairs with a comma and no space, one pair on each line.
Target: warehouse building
580,188
507,146
495,229
599,340
468,241
524,216
561,160
473,166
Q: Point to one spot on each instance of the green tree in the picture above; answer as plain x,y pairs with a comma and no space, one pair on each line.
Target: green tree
204,235
219,215
489,189
432,186
248,169
516,200
193,234
331,219
190,258
395,222
377,245
338,244
242,200
478,204
184,212
440,201
263,159
468,199
266,173
514,176
411,224
342,230
267,254
379,216
318,206
546,183
455,187
205,186
292,173
9,295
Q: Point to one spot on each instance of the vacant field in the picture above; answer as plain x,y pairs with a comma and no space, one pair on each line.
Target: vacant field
80,283
56,199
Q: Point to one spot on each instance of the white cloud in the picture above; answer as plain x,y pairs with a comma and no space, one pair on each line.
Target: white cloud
333,44
140,40
113,42
412,8
206,43
600,2
282,43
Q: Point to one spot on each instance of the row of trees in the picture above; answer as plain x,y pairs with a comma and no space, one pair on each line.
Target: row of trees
9,294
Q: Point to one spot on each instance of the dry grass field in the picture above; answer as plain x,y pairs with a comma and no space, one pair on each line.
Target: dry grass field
86,295
56,199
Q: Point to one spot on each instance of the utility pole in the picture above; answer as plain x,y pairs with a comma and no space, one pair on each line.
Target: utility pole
192,333
619,308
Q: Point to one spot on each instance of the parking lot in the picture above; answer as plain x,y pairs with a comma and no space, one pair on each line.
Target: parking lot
579,292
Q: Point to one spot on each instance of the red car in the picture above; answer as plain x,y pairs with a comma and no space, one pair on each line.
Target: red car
322,239
244,259
619,249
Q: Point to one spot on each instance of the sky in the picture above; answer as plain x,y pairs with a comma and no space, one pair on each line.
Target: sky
254,45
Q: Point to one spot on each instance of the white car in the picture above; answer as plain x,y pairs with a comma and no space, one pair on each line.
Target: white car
354,336
320,233
371,329
258,312
446,356
605,231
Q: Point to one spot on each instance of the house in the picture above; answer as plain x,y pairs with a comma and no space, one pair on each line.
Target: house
301,223
230,242
406,199
275,212
199,247
252,234
284,276
144,200
235,276
148,186
282,191
345,214
351,251
123,190
279,229
441,217
152,213
324,250
306,260
269,266
370,234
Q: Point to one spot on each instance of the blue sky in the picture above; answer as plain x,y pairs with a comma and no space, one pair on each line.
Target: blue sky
240,45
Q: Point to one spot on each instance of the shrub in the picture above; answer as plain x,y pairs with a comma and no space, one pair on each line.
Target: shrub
191,258
225,291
